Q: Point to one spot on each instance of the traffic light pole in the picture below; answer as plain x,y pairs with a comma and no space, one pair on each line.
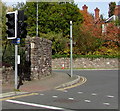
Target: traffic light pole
16,66
16,53
16,29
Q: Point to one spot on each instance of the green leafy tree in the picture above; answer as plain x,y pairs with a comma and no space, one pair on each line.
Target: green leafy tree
59,42
3,18
18,6
3,29
53,17
53,22
111,8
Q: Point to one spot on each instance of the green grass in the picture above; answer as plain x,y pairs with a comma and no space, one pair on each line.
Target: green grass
82,68
17,90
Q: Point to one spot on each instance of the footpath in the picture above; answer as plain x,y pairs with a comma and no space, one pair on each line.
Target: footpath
48,83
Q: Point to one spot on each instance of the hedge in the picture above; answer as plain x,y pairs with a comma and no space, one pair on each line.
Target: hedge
85,56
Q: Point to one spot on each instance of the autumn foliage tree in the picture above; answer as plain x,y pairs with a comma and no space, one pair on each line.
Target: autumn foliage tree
87,36
112,35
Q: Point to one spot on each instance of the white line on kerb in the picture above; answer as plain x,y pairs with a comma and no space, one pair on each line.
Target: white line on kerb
11,94
35,105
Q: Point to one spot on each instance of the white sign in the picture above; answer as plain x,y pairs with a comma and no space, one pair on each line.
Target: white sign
32,45
18,59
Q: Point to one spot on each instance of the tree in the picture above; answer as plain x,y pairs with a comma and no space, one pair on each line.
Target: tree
111,8
53,17
85,41
18,6
59,42
53,22
112,35
87,36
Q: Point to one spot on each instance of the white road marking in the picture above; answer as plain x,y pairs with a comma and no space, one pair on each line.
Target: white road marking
54,96
106,104
35,105
80,92
93,94
65,91
88,101
71,98
109,96
42,94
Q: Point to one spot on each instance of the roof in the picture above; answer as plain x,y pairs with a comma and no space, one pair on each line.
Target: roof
110,19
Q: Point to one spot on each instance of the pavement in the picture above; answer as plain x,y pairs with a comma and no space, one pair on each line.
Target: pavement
56,80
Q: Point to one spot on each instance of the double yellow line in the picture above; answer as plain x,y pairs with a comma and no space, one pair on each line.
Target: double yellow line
19,96
74,85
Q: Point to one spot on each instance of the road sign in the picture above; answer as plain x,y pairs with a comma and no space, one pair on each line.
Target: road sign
18,59
16,41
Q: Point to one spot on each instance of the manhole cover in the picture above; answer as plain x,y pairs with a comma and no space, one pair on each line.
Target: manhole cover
65,100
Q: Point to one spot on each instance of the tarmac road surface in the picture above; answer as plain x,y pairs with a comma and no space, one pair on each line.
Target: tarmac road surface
100,91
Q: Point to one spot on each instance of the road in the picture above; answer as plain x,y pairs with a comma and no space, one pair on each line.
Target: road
99,92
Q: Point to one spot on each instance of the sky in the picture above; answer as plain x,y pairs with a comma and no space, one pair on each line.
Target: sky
92,4
103,6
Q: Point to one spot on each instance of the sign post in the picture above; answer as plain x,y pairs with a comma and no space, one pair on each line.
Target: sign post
16,66
71,47
17,60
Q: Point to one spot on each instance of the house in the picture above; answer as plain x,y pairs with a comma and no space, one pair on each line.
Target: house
111,30
107,29
116,14
92,22
90,18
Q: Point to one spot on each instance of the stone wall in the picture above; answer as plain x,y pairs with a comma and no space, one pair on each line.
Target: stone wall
7,75
40,57
102,63
38,63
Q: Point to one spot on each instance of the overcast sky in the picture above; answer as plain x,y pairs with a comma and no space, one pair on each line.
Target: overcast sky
92,4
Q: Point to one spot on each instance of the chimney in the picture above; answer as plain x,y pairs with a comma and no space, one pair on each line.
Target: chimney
97,13
85,8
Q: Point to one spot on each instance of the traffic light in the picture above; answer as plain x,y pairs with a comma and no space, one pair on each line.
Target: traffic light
11,25
22,25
